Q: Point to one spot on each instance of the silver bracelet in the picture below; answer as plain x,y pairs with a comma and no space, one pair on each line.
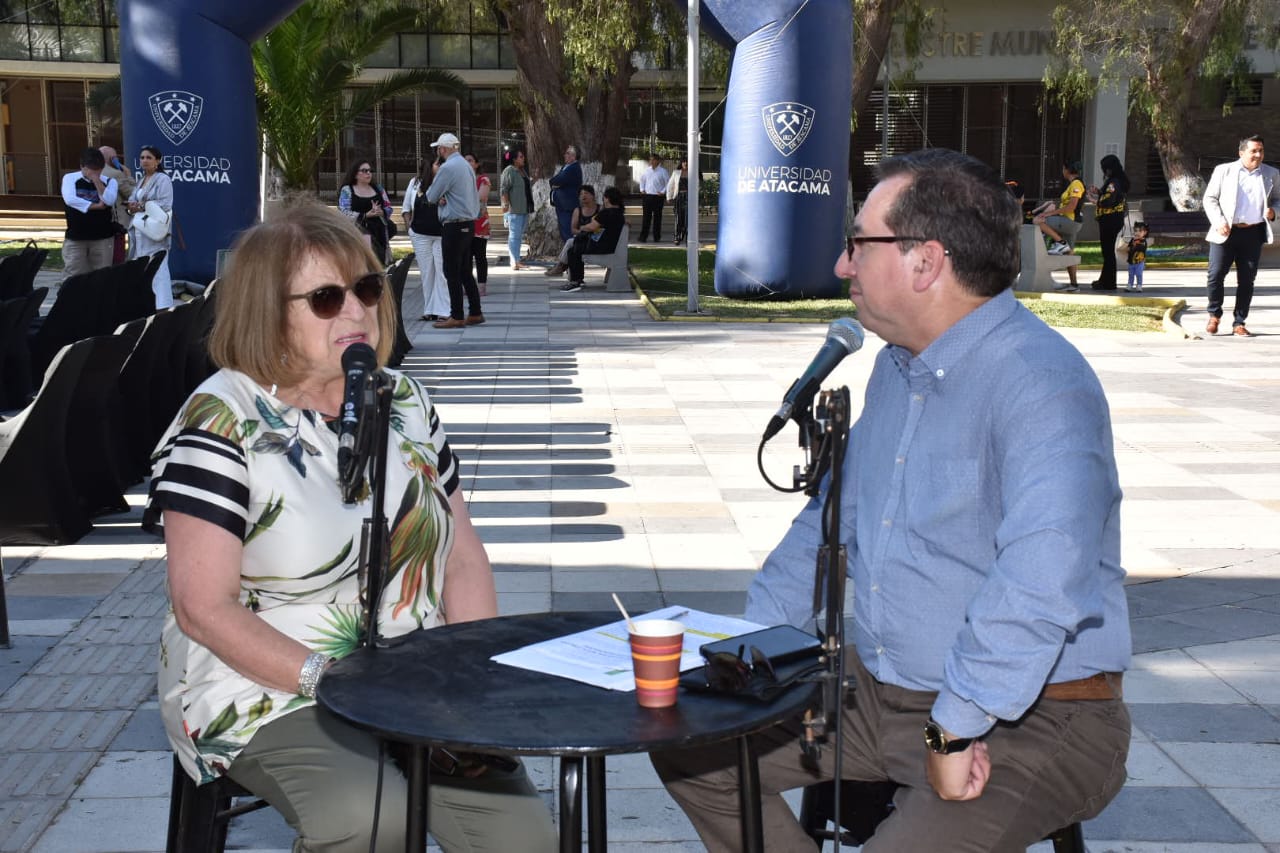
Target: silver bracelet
309,676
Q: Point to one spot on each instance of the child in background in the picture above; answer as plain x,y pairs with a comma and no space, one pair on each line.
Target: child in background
1137,256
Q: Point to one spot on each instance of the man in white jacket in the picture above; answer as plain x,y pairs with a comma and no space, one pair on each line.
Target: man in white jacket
1241,202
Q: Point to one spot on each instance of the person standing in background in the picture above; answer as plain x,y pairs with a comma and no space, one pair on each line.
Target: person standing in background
653,189
1110,214
1241,202
155,187
565,184
517,203
87,198
678,195
422,219
454,189
365,201
115,170
480,239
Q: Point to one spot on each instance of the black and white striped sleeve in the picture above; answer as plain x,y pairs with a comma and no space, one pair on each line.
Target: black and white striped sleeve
201,474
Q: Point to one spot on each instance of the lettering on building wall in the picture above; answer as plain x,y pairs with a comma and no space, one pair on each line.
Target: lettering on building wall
951,43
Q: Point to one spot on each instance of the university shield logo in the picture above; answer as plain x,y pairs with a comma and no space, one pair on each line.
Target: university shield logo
176,113
788,125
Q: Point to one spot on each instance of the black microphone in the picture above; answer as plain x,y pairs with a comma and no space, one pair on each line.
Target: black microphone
844,337
359,363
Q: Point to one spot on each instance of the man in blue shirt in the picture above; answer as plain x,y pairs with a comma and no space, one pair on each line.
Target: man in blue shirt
981,514
454,190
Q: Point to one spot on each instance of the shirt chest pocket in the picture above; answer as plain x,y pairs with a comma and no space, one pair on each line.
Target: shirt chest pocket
943,503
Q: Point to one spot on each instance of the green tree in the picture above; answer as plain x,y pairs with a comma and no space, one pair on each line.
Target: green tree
305,70
1164,51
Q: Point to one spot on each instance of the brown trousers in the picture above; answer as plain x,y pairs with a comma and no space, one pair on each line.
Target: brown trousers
1061,763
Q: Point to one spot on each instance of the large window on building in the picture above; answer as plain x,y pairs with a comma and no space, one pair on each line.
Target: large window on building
59,30
1006,125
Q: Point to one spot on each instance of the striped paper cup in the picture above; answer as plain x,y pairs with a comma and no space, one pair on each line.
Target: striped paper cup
655,655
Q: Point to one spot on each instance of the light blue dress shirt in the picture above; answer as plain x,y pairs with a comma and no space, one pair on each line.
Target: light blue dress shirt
981,512
456,183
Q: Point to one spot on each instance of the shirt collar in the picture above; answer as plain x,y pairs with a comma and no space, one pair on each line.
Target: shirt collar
951,347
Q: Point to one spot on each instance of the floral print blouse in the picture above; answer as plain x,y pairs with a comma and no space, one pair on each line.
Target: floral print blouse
239,458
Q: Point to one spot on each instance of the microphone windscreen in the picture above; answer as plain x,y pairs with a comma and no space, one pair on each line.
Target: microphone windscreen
848,332
359,356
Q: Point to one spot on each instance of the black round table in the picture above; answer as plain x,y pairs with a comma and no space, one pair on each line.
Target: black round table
464,701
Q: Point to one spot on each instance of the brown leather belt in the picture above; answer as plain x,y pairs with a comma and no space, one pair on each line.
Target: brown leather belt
1245,224
1104,685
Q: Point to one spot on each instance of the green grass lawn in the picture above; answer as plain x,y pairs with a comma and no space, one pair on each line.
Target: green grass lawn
663,276
53,261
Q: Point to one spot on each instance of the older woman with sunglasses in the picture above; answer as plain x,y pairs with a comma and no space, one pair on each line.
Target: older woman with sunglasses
262,553
365,201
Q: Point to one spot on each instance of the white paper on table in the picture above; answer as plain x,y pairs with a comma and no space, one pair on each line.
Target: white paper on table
602,656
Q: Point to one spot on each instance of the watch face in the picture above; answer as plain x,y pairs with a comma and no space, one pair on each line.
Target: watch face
934,737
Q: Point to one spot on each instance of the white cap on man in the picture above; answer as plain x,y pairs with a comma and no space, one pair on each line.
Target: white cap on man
446,140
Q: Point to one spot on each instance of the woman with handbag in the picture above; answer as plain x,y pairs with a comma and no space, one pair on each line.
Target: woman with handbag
367,203
423,221
151,231
1110,213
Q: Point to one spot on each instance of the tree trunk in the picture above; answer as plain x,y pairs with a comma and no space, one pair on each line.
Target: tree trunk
873,26
1186,185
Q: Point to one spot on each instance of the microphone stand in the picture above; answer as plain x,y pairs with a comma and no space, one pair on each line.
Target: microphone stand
375,536
828,429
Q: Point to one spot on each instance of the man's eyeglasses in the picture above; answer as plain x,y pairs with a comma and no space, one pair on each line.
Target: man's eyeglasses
729,673
326,301
851,243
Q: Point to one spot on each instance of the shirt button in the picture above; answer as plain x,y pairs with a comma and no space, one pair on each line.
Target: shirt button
900,460
917,397
940,373
879,650
875,587
887,523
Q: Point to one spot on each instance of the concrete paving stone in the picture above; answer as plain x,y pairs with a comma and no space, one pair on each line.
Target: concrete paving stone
41,627
523,581
726,603
23,654
130,774
263,830
1226,765
1230,622
1167,814
675,581
124,630
58,730
149,578
716,526
1202,687
22,821
41,607
1171,596
639,602
1167,847
90,550
1155,633
71,692
1262,686
514,603
1204,722
646,815
143,732
1260,587
111,825
1148,766
1248,655
610,580
43,774
70,659
133,605
595,531
602,553
1258,809
33,583
524,531
55,566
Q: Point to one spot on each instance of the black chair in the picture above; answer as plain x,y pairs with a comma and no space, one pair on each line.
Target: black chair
146,389
18,272
199,814
397,274
38,503
864,804
4,612
83,309
129,285
16,387
199,365
172,381
95,415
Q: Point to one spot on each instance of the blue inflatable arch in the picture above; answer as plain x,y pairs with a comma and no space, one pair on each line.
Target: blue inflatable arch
186,76
785,155
187,88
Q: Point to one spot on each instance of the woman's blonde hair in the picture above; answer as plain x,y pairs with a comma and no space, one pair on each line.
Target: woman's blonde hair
250,332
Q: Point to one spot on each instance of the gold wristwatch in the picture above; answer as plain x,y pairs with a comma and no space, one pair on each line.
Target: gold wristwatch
936,738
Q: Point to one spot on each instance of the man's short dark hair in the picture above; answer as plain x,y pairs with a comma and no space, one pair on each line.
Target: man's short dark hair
92,158
962,203
1244,143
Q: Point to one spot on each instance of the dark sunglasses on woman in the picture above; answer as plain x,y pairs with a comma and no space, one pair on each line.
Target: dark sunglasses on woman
326,301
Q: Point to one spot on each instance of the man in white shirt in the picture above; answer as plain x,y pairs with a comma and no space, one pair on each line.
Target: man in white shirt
653,190
1241,202
87,198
